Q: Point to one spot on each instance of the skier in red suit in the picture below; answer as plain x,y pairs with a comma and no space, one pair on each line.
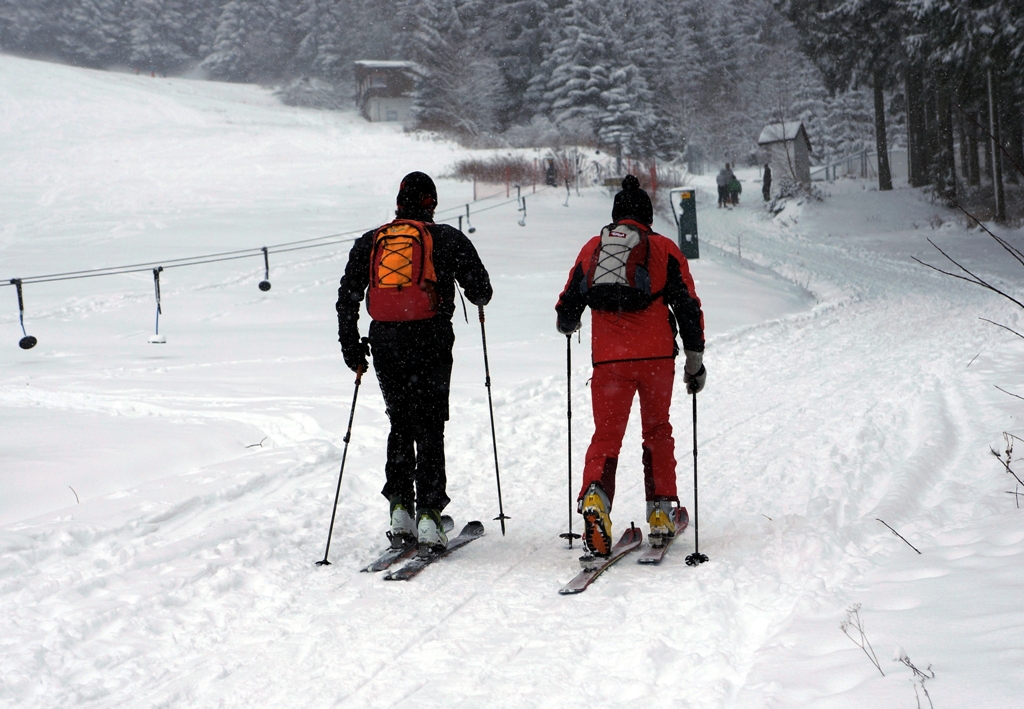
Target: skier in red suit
638,286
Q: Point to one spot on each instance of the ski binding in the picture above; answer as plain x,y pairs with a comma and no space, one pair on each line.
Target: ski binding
473,530
630,540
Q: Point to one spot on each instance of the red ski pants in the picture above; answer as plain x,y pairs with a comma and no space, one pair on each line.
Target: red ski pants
612,389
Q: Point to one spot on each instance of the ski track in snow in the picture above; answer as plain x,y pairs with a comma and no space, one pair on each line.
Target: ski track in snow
197,588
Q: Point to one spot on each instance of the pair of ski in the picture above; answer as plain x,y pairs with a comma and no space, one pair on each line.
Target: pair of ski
630,541
421,560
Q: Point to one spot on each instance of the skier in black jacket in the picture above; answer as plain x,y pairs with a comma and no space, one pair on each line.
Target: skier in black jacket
413,362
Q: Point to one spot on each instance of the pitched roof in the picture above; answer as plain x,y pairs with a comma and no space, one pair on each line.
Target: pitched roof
779,132
384,64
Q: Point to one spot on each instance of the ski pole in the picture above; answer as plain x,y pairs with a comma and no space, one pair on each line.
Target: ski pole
494,438
696,557
568,415
344,455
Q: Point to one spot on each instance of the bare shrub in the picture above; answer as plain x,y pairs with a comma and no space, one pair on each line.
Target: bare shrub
853,623
497,169
919,677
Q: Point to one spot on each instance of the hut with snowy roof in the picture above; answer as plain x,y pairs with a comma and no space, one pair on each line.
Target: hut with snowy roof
788,148
384,89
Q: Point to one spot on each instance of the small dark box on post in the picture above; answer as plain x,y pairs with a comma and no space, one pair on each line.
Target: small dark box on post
684,209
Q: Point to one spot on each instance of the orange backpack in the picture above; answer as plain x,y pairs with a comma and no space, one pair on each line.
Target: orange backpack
402,277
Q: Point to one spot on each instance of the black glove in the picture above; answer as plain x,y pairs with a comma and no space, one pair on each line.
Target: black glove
567,328
356,355
695,382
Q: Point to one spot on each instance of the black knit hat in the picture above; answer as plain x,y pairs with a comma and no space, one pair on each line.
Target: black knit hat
632,203
417,193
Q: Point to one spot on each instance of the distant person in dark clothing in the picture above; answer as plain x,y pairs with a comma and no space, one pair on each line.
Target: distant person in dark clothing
725,176
551,174
766,186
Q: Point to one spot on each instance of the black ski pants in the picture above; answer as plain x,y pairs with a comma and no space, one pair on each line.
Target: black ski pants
413,362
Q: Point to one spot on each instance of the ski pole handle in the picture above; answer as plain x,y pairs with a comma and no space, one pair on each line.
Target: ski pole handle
361,369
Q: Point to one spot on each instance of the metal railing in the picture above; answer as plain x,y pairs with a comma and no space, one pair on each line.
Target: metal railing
863,164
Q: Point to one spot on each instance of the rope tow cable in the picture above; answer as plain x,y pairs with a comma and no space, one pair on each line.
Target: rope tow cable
28,341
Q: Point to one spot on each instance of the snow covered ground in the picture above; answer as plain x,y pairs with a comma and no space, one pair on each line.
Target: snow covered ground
847,384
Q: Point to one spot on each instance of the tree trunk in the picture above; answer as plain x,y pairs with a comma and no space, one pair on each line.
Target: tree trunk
1014,140
965,156
997,159
911,137
931,133
881,145
945,165
986,152
917,159
973,169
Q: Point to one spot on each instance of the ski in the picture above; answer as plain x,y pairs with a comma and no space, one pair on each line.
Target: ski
395,554
631,540
473,530
653,554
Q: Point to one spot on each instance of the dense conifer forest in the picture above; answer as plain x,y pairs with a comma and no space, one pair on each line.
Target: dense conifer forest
688,80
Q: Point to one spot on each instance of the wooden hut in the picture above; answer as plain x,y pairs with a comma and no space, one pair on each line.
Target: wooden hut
384,89
788,148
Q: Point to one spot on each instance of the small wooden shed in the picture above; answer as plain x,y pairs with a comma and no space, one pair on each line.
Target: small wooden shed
385,89
789,149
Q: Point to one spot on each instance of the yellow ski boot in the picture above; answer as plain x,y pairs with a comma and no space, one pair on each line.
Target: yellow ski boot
661,518
597,525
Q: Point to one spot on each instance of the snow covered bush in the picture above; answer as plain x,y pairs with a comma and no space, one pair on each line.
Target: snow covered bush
790,190
310,92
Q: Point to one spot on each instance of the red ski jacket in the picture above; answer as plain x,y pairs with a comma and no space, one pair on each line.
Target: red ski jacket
644,334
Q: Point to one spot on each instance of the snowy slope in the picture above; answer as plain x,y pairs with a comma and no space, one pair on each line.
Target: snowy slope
846,384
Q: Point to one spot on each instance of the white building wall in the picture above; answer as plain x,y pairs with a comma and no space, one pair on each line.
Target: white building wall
798,160
803,161
389,109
